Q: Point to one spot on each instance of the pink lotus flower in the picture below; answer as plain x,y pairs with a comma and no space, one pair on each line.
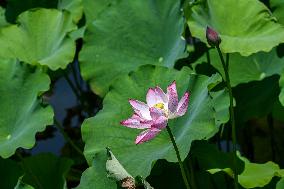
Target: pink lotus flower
154,115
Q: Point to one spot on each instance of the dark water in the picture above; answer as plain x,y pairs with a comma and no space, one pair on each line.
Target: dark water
68,110
61,99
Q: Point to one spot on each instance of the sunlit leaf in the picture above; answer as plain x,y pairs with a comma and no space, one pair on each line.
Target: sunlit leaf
255,175
245,26
246,69
21,114
220,102
105,130
93,8
3,21
129,34
75,7
22,185
79,33
114,169
96,175
41,37
117,172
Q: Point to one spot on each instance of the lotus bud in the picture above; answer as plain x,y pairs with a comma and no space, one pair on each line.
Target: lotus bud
212,37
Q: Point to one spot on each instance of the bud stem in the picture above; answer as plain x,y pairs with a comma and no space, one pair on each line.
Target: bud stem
232,114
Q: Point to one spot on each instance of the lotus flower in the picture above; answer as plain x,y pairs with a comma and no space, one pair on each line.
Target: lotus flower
154,115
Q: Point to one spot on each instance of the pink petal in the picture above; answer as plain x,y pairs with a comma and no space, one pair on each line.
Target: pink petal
155,95
160,123
146,135
183,105
173,97
137,122
161,93
140,108
156,113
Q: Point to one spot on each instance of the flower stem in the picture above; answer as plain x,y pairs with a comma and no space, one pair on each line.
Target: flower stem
232,114
67,138
73,88
178,157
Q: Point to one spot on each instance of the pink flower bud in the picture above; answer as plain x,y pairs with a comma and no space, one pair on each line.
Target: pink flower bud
212,37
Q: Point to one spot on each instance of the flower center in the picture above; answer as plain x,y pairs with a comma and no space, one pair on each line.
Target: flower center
159,105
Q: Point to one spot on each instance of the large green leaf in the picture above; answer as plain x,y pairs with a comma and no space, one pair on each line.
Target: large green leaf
3,21
21,114
10,172
46,171
246,69
16,7
75,7
278,10
96,175
247,28
256,99
104,129
280,184
41,37
281,84
93,8
22,185
255,175
128,34
221,100
208,157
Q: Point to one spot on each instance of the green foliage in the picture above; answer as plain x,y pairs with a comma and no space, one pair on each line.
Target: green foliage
255,175
21,185
40,38
281,84
121,39
75,7
21,114
256,99
278,10
246,69
208,157
104,129
16,7
245,26
93,8
280,184
45,171
10,173
122,48
3,21
96,174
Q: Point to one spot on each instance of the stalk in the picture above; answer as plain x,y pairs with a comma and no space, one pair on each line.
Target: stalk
178,157
67,138
232,115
